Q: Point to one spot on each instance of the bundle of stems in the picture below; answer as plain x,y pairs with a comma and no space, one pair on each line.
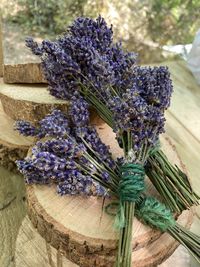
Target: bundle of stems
86,60
186,238
171,182
86,64
155,214
131,185
83,156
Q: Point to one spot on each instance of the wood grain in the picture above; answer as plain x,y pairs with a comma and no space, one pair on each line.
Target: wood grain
23,73
33,251
74,224
20,65
1,46
12,211
29,103
185,104
12,145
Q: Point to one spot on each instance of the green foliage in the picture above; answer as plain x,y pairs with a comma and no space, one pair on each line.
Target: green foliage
173,21
48,16
139,24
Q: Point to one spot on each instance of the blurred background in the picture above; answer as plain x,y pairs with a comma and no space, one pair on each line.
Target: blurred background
153,28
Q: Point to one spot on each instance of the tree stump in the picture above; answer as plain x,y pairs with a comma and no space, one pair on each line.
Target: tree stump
12,145
77,228
20,65
23,73
1,46
28,102
32,250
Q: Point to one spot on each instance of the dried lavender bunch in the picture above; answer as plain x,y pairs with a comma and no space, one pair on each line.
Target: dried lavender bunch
155,214
26,128
54,124
60,160
136,123
69,156
131,99
67,162
85,60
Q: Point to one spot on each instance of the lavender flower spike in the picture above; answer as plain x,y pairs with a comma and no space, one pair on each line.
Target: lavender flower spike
26,128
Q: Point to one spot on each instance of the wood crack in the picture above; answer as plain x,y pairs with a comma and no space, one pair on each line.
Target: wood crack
6,204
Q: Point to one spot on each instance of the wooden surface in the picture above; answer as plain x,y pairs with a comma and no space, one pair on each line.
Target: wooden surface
1,46
26,102
23,73
12,211
32,250
12,145
20,65
75,225
183,118
33,102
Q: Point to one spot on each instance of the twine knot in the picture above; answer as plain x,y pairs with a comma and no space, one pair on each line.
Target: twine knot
155,214
130,188
132,182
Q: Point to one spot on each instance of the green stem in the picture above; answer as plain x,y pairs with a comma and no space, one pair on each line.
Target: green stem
124,257
104,163
181,237
169,183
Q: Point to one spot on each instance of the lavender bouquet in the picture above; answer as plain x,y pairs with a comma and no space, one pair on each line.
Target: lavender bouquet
131,99
78,162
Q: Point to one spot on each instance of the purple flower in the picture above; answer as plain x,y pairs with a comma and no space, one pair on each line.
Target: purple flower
35,48
78,111
47,161
100,190
97,31
26,128
58,146
32,174
75,60
105,176
75,183
54,124
122,64
155,85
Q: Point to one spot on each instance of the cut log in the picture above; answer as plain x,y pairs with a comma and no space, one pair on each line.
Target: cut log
32,103
1,46
33,250
23,73
20,65
76,226
12,212
12,145
185,98
29,103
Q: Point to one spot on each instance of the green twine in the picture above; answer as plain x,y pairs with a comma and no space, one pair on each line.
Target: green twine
130,188
155,214
132,182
